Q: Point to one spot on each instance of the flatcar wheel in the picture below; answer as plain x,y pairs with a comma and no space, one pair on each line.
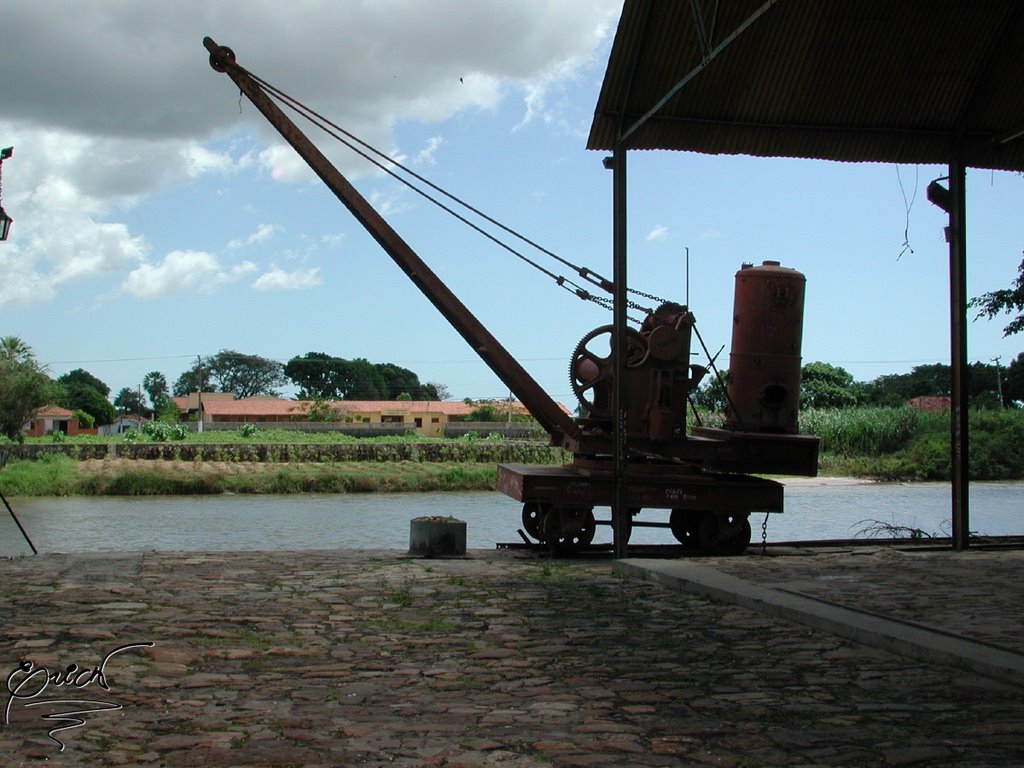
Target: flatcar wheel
723,534
531,518
569,529
684,523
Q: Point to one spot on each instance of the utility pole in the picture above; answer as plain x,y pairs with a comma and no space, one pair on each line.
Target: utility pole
999,381
199,391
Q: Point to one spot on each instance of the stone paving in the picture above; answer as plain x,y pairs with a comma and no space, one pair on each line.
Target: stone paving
502,658
979,592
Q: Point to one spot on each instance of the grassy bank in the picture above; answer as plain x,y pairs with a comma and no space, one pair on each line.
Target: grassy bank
62,476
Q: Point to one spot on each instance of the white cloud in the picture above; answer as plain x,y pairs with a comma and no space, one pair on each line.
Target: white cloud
278,279
199,160
137,109
427,155
182,271
263,233
659,232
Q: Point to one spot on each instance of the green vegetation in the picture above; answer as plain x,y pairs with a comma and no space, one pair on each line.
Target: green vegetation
904,444
62,476
884,443
24,386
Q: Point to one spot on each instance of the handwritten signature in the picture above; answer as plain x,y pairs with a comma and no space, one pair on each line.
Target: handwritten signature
27,683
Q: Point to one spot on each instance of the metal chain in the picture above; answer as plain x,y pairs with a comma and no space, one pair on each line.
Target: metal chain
650,296
764,535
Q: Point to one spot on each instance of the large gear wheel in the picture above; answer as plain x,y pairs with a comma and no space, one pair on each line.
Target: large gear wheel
591,374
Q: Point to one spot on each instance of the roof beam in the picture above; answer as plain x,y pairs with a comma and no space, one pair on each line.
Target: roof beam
675,89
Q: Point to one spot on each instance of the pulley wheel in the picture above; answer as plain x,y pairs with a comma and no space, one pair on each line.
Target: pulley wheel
591,372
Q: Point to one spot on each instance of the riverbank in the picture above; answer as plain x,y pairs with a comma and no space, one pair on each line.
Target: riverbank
61,476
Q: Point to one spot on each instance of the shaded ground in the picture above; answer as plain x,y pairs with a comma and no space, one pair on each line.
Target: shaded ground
372,658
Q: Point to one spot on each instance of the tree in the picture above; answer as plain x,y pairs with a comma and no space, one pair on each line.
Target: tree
128,401
230,371
155,384
934,380
318,410
80,389
434,391
710,394
1013,383
195,379
14,349
896,389
246,375
827,386
24,386
1008,300
317,375
321,376
85,420
165,409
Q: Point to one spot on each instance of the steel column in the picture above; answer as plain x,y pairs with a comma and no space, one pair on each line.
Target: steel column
620,509
958,354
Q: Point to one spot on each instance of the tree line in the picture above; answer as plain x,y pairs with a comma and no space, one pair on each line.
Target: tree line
823,385
25,384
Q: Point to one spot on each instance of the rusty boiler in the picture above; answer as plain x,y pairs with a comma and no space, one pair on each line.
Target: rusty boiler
764,362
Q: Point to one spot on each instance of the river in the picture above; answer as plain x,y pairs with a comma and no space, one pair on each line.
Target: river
815,509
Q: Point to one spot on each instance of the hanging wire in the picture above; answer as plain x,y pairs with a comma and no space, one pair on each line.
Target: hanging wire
387,164
908,205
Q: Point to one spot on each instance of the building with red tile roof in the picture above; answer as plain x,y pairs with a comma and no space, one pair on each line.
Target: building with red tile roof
426,417
53,418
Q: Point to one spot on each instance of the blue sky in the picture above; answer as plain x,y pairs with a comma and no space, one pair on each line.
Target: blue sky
157,218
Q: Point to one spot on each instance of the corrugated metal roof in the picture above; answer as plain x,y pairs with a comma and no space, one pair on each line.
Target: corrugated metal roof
855,80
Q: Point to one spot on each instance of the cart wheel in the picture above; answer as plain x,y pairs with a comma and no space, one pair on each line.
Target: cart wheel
684,524
723,534
567,530
531,518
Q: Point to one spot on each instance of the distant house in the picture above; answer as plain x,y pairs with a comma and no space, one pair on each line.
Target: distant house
122,424
931,403
189,406
426,417
53,418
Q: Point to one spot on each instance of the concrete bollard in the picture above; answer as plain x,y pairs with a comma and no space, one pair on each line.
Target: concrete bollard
437,536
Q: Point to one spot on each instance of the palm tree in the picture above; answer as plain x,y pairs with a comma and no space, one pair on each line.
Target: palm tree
15,350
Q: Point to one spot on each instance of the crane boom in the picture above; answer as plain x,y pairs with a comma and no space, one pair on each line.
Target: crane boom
549,414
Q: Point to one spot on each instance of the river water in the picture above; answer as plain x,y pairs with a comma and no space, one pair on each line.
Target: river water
815,509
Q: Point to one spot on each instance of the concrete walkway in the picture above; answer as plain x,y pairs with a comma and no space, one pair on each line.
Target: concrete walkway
504,658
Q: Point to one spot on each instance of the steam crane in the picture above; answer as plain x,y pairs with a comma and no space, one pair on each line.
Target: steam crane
702,476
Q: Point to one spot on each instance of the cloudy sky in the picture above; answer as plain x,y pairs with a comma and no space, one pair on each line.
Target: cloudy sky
158,218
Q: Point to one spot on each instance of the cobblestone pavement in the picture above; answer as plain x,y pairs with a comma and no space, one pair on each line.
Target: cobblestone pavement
499,659
978,593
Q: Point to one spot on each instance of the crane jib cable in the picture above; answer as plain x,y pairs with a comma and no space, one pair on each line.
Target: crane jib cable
387,165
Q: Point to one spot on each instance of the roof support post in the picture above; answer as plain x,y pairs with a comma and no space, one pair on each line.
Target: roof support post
958,352
620,507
